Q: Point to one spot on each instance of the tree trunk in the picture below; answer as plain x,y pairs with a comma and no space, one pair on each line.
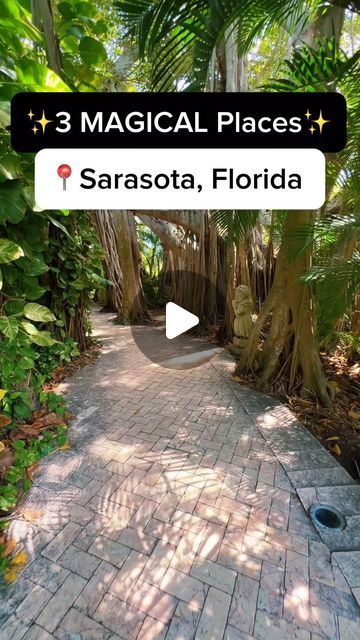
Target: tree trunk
290,352
328,22
235,81
242,266
220,79
43,18
115,291
189,253
236,74
211,307
134,309
226,331
355,320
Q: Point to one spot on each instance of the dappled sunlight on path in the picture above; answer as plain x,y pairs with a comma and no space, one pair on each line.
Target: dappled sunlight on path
170,516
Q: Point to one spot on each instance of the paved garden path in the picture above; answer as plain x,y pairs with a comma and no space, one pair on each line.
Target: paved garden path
170,516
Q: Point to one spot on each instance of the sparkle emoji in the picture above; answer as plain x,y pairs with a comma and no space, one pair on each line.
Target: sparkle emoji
321,121
43,121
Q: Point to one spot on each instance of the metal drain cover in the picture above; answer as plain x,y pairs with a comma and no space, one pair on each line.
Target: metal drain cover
326,517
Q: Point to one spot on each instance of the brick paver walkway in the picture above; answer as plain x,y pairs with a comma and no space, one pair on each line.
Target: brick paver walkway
170,517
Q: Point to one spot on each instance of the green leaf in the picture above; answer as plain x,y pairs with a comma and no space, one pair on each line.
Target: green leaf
61,440
69,44
36,267
21,28
18,445
27,484
46,449
34,292
100,27
1,280
71,28
9,164
12,203
78,284
60,226
38,313
9,327
67,11
37,77
42,339
14,474
26,363
92,52
86,9
10,9
13,307
29,328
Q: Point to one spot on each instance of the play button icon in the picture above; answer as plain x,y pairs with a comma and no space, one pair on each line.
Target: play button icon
180,331
178,320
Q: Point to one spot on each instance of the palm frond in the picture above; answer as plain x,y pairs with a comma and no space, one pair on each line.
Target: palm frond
168,30
232,225
312,69
336,283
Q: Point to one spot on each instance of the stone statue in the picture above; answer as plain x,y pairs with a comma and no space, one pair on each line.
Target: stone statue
242,305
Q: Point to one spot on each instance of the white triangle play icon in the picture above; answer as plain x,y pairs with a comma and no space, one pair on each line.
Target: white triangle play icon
178,320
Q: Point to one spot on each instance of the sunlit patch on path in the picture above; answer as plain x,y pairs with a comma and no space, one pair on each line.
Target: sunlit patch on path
171,516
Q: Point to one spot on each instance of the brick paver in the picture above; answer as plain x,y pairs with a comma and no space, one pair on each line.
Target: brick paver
171,517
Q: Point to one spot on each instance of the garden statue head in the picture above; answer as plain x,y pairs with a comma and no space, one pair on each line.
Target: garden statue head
242,293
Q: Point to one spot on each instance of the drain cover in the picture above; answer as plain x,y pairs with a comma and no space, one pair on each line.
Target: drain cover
326,517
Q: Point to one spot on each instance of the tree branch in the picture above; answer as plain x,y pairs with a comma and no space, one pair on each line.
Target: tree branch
189,220
168,233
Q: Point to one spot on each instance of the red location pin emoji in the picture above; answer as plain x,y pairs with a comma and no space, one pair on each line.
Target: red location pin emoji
64,172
